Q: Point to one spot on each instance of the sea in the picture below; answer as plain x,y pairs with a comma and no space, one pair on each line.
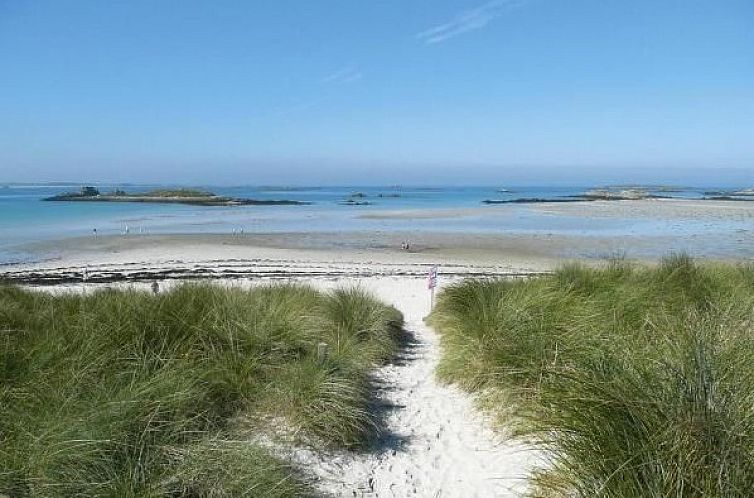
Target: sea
25,218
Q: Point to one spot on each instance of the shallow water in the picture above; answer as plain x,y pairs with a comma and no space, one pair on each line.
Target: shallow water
25,218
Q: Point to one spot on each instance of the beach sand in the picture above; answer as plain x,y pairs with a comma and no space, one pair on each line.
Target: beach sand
643,208
676,209
268,255
436,443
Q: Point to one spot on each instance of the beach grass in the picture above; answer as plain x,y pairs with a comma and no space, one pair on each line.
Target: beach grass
124,393
638,381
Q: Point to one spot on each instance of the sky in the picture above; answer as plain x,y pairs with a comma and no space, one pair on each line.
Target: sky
377,92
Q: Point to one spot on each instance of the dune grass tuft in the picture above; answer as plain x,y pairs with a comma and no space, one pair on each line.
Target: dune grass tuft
638,381
122,393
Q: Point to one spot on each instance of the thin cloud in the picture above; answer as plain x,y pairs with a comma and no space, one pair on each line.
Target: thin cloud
299,107
468,20
342,76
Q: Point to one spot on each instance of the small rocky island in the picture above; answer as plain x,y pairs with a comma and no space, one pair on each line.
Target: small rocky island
599,194
193,197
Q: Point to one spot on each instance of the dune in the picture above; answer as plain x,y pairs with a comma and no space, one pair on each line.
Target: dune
432,441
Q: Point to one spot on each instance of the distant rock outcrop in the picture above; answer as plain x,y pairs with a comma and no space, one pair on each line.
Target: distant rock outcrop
167,196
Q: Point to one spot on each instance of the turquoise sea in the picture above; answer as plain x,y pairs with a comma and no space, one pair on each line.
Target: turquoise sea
25,218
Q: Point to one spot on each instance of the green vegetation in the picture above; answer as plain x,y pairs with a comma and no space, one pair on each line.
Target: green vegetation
638,381
180,192
123,393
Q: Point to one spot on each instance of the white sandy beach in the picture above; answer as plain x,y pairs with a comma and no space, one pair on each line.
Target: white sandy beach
437,443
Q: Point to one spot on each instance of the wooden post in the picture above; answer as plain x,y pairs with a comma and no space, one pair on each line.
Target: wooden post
322,352
431,284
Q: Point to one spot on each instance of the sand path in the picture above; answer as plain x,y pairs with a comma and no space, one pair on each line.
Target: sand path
435,443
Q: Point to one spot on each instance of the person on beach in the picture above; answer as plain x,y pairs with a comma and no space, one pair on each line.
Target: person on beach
155,288
94,231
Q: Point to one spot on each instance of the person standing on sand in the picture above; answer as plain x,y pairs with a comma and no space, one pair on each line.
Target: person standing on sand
155,288
94,231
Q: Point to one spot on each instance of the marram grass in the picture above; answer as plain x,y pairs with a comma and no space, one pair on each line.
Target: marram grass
639,382
122,393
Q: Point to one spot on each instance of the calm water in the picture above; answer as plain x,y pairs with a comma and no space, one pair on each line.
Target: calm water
25,218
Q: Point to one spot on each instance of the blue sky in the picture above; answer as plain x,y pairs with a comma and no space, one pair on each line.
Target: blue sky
389,91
